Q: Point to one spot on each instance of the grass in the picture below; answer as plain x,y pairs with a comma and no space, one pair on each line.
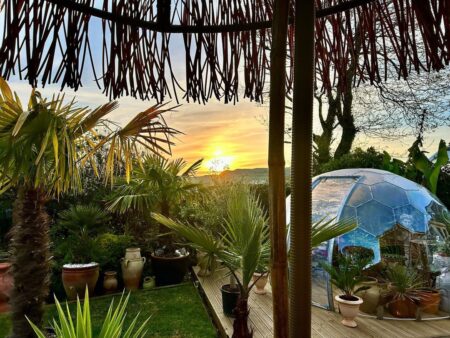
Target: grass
175,312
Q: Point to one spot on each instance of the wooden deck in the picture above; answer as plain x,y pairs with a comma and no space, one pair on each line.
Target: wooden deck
325,324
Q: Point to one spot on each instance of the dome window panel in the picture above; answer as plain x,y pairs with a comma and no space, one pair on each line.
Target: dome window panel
411,219
360,195
375,217
389,195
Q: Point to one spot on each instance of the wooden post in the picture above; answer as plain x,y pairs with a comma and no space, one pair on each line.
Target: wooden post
277,209
301,165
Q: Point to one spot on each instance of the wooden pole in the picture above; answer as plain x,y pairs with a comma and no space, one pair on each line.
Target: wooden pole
301,165
277,203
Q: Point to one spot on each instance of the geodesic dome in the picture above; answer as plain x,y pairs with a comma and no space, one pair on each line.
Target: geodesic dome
394,216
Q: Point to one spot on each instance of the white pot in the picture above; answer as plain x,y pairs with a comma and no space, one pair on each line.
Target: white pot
349,310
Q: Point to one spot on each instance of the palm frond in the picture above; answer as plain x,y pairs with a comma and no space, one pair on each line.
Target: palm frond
326,229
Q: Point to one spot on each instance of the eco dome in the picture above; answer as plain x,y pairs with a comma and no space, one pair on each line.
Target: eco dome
397,219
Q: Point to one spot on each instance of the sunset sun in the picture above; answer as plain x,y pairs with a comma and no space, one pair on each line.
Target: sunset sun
219,162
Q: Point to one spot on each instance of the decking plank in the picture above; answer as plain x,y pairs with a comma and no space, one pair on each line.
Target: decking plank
325,324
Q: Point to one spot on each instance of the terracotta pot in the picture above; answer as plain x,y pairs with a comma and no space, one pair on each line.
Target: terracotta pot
429,301
349,309
169,270
132,253
76,277
132,272
260,281
110,282
6,286
370,297
402,307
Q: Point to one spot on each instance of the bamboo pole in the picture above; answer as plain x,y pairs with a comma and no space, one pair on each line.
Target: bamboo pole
301,164
277,203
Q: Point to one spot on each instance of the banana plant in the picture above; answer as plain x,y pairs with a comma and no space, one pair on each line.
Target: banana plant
430,170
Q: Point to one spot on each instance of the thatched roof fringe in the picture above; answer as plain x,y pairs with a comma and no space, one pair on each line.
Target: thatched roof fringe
52,41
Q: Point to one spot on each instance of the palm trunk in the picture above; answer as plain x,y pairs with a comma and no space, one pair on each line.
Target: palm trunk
240,324
29,248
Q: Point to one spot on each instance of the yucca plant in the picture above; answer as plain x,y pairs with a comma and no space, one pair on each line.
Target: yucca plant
113,323
43,148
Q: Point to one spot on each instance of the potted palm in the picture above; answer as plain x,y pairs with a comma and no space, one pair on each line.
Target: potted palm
240,248
77,230
403,296
43,149
159,183
347,277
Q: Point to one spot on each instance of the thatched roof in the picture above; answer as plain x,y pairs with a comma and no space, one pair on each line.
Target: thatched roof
225,43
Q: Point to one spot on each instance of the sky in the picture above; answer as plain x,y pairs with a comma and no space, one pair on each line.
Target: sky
225,136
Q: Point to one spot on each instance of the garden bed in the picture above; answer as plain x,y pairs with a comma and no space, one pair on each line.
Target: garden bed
175,312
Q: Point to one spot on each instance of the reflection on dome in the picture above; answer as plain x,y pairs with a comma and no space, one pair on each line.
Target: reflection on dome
397,220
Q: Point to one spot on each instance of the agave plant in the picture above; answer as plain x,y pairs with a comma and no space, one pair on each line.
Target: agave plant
43,148
113,323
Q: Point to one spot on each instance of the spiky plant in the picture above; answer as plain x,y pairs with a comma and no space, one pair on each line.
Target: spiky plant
156,182
113,323
43,148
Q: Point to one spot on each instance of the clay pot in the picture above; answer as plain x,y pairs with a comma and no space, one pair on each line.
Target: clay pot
76,277
402,307
110,282
429,301
349,309
6,286
132,272
132,253
260,280
370,297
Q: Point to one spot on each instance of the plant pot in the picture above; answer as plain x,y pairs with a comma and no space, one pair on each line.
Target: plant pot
132,253
430,301
370,297
260,280
6,286
203,265
149,283
402,307
230,298
132,272
76,277
110,282
349,309
169,270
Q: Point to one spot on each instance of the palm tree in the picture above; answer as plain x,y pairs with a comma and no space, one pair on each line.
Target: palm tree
157,181
43,148
244,244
